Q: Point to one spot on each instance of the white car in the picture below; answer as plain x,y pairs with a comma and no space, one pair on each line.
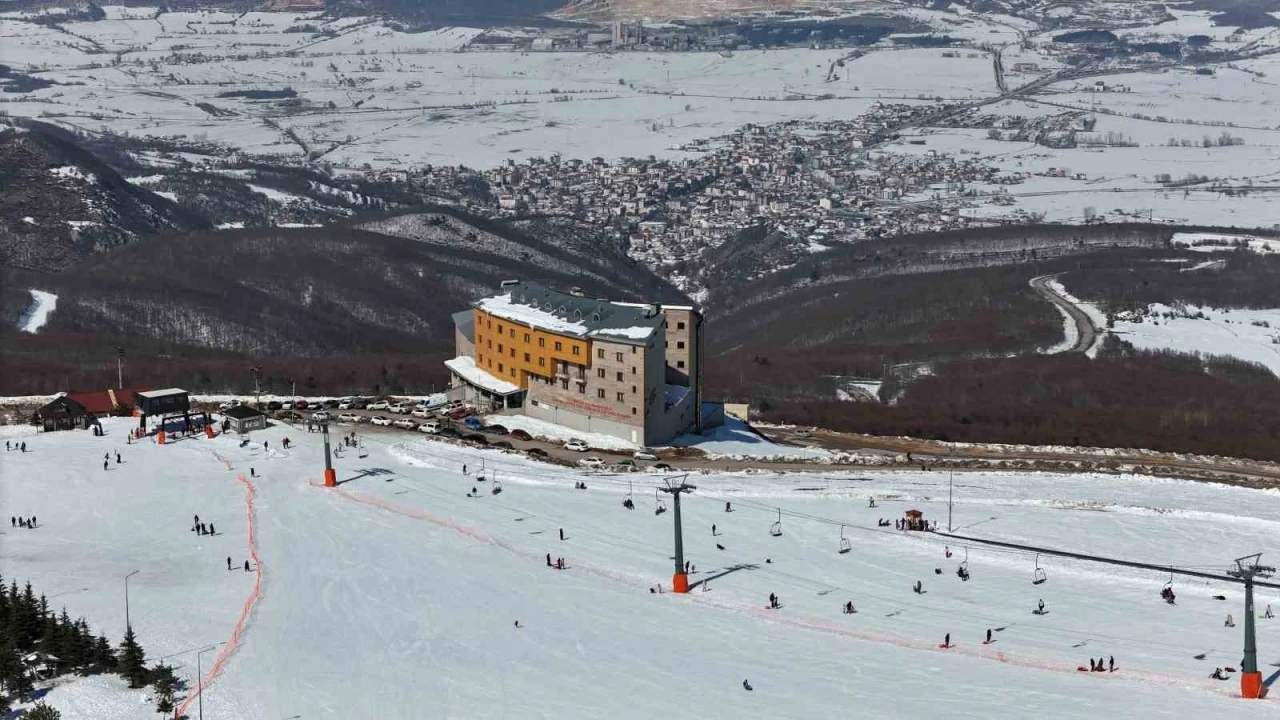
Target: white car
577,445
381,421
349,417
644,455
593,462
421,412
399,409
406,423
380,405
430,426
346,403
320,416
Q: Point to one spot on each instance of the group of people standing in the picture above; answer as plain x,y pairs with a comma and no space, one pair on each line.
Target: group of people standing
22,522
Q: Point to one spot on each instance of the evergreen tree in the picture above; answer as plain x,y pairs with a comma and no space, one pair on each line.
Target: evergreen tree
42,712
104,657
132,660
165,682
18,682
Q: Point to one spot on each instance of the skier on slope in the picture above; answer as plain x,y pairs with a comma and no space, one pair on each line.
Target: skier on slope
1040,607
228,562
246,566
988,636
917,589
1111,663
746,686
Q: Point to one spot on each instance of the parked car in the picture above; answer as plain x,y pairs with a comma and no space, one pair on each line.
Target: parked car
625,465
447,431
379,405
332,404
459,413
345,403
274,405
349,417
399,409
288,416
592,461
381,420
476,438
430,426
300,405
577,445
421,412
644,455
320,416
520,434
228,404
536,452
662,466
473,422
359,404
406,423
802,433
496,430
502,444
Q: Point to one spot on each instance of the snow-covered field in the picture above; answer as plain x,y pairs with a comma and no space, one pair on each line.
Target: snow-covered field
396,596
37,314
1252,335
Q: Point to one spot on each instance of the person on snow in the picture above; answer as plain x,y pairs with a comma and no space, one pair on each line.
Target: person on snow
1268,614
1040,607
517,624
773,600
946,642
746,686
848,608
1111,663
917,589
228,562
32,522
713,529
988,636
1231,622
246,566
562,534
104,464
211,530
1217,674
727,506
1093,667
1101,666
22,522
464,468
559,563
947,552
24,447
6,446
686,567
871,503
719,546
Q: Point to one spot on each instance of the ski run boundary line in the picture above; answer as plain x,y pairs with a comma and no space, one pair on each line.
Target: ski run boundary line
806,623
233,643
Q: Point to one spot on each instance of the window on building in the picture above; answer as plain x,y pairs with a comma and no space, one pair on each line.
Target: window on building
526,357
633,389
499,367
526,337
666,343
513,372
600,353
618,357
499,347
488,324
633,411
634,350
679,326
513,352
489,343
542,342
513,333
633,369
619,377
680,363
600,393
542,362
620,397
576,350
680,345
499,329
559,346
600,372
564,384
582,388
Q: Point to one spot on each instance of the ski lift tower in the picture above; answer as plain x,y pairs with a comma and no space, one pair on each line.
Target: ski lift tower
1247,568
680,582
330,475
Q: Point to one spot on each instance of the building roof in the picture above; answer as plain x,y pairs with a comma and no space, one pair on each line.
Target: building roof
541,307
61,407
101,402
465,367
242,412
465,322
153,394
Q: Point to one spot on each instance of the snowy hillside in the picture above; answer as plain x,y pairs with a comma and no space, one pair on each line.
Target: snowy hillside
396,595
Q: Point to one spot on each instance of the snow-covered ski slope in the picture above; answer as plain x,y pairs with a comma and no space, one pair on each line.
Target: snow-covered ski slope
395,595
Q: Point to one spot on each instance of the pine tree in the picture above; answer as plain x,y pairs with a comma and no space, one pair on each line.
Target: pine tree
104,658
42,712
163,679
132,660
18,681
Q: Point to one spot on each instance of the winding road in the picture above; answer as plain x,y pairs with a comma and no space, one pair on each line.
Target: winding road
1086,332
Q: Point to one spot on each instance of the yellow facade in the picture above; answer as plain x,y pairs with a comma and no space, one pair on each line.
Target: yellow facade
511,351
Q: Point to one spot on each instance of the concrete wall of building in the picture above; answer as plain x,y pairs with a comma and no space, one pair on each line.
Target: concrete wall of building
681,345
576,418
462,347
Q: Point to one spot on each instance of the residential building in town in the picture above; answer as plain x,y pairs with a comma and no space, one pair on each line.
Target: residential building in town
630,370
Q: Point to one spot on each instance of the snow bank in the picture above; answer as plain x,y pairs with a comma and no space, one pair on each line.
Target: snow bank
1096,316
734,439
557,433
37,314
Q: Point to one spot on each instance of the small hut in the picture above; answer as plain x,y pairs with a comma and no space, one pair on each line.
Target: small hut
243,418
63,413
914,520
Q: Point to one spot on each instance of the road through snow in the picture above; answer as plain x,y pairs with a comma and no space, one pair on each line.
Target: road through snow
1086,332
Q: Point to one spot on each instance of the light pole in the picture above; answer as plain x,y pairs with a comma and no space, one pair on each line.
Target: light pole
126,599
200,680
120,366
257,385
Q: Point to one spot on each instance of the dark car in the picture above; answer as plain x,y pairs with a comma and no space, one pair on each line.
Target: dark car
662,466
537,452
495,430
289,416
476,438
360,404
274,405
503,444
520,434
448,432
301,405
332,404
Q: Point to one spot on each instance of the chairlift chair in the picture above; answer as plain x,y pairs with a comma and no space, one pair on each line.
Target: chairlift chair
776,529
497,485
480,475
659,506
364,451
628,502
844,542
1040,576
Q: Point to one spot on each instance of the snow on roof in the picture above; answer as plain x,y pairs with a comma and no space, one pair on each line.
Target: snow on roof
675,394
502,306
465,368
151,394
537,306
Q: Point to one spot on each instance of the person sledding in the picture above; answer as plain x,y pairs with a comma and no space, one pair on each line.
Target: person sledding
1217,674
849,609
773,602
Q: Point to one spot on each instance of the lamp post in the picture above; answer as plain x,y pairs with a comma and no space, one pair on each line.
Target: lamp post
200,680
127,625
257,385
